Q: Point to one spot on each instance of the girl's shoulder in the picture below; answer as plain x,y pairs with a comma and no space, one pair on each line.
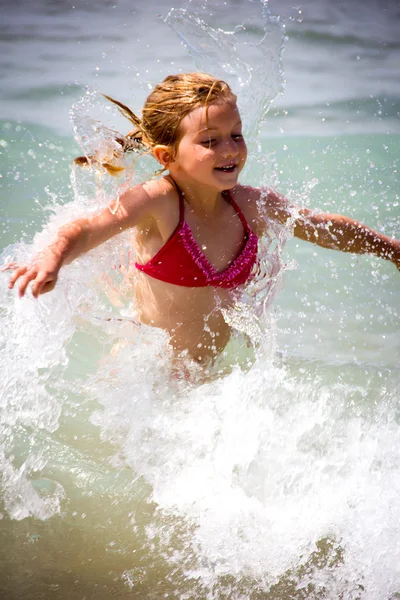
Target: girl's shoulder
163,202
147,205
248,199
159,190
261,207
153,195
250,195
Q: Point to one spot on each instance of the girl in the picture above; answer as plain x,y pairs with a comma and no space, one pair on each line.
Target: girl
197,228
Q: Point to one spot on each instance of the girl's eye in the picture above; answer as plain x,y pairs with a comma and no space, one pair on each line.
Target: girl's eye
211,141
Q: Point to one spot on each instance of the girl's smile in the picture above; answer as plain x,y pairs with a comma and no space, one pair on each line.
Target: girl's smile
212,150
197,228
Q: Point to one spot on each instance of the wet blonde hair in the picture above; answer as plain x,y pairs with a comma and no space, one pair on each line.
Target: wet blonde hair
163,111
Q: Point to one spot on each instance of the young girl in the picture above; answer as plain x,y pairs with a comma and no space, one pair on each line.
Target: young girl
197,228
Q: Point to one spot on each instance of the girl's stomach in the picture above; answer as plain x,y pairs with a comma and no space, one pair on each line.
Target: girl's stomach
191,316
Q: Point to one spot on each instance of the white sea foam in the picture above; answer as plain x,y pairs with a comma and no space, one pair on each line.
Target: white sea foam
280,466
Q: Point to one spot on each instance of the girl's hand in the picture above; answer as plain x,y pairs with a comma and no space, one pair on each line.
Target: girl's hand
394,253
43,272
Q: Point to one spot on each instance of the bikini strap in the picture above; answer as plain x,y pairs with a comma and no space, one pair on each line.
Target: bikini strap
229,196
226,193
181,205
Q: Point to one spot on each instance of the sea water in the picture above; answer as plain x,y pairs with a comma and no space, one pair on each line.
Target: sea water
276,476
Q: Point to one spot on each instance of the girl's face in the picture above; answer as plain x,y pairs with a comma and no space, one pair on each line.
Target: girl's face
212,150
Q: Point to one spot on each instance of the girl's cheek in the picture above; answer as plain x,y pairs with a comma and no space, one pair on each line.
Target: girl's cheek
204,153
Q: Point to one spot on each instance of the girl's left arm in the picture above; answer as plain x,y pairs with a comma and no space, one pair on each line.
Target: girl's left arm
339,232
336,232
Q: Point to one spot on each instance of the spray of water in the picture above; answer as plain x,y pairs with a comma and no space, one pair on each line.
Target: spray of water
265,479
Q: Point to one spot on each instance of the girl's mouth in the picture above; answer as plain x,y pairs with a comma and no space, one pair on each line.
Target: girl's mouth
227,169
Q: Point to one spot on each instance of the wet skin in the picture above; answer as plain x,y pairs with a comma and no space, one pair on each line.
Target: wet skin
208,160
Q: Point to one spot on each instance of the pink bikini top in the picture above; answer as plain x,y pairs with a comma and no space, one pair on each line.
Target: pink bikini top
181,262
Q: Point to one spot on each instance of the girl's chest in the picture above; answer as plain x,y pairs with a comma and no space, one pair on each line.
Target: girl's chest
220,240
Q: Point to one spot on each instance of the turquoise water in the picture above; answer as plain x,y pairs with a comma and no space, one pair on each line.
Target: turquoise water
278,477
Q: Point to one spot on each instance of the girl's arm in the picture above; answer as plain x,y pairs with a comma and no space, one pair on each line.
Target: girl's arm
339,232
78,237
336,232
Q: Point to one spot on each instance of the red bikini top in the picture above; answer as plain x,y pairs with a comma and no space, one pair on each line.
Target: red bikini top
181,262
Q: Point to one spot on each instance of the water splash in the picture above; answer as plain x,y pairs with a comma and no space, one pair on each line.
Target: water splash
96,125
248,57
276,478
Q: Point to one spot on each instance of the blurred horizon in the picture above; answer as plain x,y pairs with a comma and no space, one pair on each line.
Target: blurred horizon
340,60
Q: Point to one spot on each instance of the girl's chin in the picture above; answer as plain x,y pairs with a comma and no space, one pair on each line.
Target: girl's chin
228,176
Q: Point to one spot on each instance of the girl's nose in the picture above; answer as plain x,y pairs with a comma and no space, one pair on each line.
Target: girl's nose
230,148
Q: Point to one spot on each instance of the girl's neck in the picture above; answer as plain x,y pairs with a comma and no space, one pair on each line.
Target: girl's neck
203,200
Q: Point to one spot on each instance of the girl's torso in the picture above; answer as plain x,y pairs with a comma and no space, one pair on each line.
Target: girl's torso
192,315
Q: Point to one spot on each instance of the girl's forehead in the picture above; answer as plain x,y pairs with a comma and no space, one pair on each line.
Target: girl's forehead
214,114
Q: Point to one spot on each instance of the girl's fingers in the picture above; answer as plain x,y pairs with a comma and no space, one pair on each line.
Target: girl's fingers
17,273
48,287
28,277
41,279
8,267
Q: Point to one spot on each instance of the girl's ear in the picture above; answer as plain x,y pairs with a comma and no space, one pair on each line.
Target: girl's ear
163,154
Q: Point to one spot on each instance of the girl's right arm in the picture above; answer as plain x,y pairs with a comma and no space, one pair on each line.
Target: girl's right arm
80,236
